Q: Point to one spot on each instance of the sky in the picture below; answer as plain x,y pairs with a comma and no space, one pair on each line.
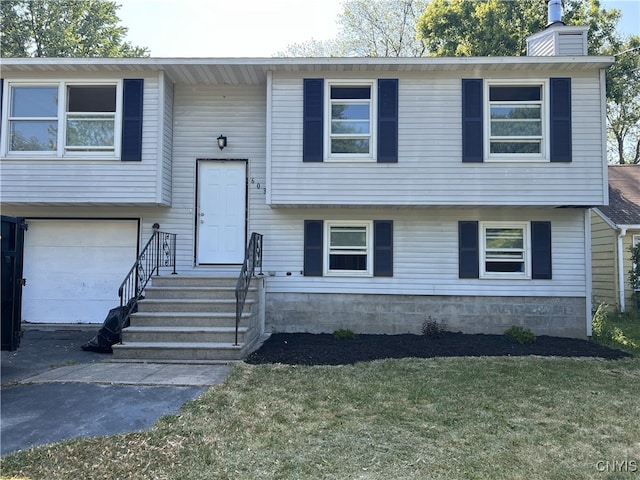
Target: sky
254,28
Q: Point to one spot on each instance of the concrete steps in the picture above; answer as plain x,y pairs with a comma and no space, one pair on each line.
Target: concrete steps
187,318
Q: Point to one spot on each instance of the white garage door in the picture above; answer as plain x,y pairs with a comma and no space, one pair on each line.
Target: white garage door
73,268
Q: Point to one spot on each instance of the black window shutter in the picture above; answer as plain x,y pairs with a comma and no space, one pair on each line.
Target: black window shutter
383,248
312,130
472,138
468,250
313,248
1,91
541,250
388,120
560,113
132,119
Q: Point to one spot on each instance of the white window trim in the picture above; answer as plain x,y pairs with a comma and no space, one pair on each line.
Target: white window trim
527,250
351,157
327,248
61,151
545,154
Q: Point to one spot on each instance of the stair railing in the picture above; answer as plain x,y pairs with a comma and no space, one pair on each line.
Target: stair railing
252,259
159,252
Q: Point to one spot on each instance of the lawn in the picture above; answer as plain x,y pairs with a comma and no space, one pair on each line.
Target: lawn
438,418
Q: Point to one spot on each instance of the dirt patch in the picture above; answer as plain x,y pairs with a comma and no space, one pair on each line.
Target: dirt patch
324,349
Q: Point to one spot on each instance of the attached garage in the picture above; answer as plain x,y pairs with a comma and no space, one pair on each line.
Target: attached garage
73,268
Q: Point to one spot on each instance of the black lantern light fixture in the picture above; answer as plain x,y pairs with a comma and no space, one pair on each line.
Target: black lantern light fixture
222,141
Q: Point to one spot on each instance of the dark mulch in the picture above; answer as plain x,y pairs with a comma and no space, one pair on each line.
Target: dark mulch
324,349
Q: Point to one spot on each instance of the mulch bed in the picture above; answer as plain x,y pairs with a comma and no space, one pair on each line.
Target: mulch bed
324,349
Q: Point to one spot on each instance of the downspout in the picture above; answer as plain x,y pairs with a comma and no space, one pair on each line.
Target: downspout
623,232
588,281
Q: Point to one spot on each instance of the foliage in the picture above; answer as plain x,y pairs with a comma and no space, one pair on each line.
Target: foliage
370,29
521,335
432,328
623,106
617,330
634,273
344,334
63,28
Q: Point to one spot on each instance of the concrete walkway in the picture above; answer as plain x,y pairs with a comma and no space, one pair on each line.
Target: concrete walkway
53,391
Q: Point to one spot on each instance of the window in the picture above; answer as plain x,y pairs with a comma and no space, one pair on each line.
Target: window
350,126
504,249
350,120
348,248
507,250
33,119
516,121
90,118
69,119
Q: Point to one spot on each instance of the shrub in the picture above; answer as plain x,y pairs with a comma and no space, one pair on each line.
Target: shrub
432,328
520,335
344,334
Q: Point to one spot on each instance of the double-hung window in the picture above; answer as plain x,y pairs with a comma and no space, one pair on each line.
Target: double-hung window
59,119
504,250
351,132
349,248
516,119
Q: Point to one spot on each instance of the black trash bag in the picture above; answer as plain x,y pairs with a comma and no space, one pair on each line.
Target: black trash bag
109,333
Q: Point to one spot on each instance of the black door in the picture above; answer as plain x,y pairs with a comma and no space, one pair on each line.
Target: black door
12,242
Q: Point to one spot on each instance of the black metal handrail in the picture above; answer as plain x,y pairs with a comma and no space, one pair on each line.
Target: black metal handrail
252,259
159,252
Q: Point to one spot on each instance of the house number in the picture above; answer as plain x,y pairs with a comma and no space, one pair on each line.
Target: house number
257,184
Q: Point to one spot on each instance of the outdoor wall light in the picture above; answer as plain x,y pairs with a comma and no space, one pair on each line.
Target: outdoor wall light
222,141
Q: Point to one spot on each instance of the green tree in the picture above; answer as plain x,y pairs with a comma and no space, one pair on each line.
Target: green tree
385,28
623,103
63,28
500,27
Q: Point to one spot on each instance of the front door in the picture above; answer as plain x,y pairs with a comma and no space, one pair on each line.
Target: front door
220,213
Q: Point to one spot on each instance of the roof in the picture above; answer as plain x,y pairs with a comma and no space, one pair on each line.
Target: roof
624,195
254,71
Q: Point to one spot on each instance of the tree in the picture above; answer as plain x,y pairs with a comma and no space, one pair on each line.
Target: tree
483,28
63,28
623,105
385,28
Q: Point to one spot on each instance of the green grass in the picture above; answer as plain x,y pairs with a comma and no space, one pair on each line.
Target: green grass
441,418
617,330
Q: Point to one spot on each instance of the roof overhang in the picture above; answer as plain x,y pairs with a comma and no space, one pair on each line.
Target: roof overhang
253,71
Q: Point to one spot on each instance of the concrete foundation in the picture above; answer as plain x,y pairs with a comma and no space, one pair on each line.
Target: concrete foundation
396,314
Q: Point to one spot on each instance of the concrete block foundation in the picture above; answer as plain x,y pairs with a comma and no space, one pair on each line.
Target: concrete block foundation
397,314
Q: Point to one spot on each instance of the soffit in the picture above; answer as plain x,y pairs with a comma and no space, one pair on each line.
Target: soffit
253,71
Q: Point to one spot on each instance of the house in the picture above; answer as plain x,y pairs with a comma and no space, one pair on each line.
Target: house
387,190
615,229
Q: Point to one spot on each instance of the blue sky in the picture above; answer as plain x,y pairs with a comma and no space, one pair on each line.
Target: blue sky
253,28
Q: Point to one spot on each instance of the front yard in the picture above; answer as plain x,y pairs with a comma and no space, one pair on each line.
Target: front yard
448,418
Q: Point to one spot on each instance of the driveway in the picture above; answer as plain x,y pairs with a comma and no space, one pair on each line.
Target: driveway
53,391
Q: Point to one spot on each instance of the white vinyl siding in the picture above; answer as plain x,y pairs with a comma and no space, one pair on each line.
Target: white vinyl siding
430,169
425,252
83,179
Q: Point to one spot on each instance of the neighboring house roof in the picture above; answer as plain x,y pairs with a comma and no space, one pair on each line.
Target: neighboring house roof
624,195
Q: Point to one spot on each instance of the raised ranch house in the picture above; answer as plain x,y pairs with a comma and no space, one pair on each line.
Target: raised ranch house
386,190
616,227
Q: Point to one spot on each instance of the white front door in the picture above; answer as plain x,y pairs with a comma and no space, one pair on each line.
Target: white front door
220,214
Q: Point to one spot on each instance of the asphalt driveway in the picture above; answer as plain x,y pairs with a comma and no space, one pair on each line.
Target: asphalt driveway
53,391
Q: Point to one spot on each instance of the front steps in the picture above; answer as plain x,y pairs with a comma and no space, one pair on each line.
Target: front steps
188,318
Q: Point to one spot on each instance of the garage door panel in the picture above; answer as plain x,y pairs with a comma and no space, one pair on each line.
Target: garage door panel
74,268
